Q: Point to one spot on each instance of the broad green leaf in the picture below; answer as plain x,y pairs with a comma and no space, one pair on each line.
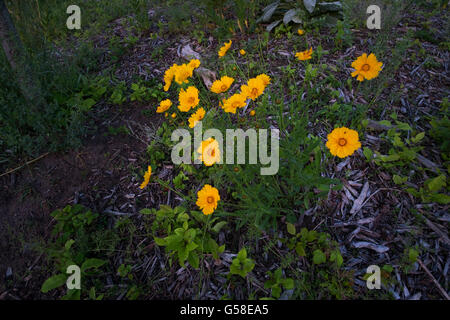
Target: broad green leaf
319,257
53,282
193,260
291,228
300,249
160,241
145,211
242,255
69,244
418,137
218,226
436,184
92,263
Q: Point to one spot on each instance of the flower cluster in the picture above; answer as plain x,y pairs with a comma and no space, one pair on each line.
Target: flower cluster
341,142
181,73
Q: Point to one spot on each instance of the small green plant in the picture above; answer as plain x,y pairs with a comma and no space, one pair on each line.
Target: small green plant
241,265
185,241
276,282
314,245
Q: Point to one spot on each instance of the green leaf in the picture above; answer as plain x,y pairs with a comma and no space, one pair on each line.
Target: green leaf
218,226
288,283
418,137
92,263
300,249
368,153
291,228
160,241
399,180
69,244
413,255
436,184
403,126
242,255
386,123
146,211
53,282
193,260
319,257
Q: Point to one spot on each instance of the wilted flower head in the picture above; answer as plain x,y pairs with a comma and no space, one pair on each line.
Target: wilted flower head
223,50
147,175
304,55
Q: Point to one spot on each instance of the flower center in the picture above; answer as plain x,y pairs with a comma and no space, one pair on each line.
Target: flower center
342,142
254,91
365,67
213,152
235,104
223,87
191,100
210,199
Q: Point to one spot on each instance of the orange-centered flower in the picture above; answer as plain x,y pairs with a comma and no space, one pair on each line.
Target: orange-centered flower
223,50
188,99
207,199
222,85
343,142
209,152
366,67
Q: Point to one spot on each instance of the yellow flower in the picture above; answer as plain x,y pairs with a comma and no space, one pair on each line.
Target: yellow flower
183,73
173,115
304,55
222,85
207,199
196,117
252,113
166,114
265,79
254,88
169,75
164,106
194,63
300,32
209,152
223,50
188,99
237,100
366,67
242,52
343,142
146,177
